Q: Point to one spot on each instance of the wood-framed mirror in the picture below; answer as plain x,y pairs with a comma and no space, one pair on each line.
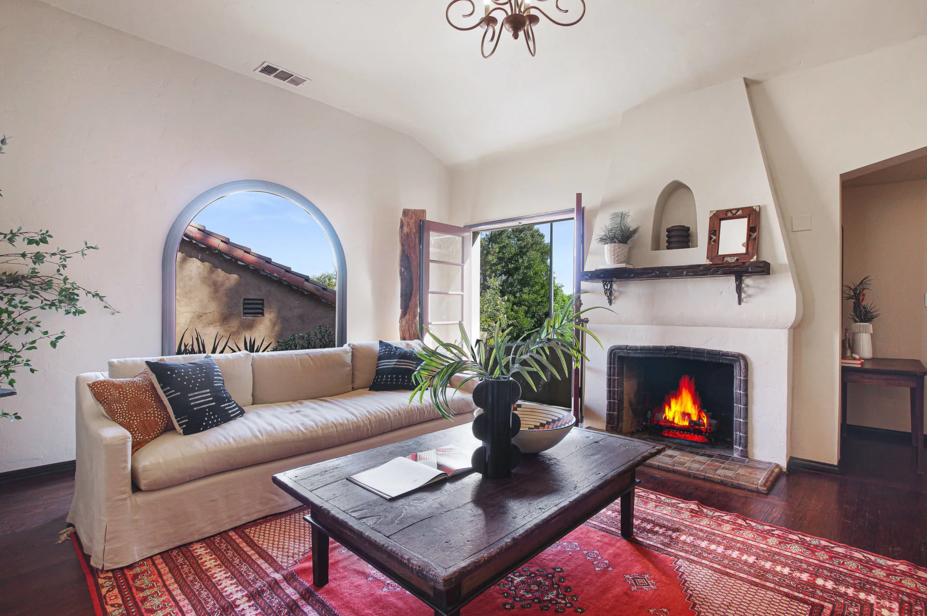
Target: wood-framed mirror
733,235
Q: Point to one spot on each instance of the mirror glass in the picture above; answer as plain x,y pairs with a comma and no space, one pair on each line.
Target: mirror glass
733,237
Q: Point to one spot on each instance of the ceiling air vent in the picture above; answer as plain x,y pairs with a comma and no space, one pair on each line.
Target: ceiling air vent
283,75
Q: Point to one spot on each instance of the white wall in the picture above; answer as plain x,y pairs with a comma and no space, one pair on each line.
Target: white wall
813,126
112,136
708,141
884,227
542,178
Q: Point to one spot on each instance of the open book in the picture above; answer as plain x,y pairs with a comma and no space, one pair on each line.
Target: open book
403,475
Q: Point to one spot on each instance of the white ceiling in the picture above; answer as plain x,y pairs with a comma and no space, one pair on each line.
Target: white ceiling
399,64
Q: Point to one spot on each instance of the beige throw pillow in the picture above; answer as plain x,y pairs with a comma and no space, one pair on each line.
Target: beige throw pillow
135,405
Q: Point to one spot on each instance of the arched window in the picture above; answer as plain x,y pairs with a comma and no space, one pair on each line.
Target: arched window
249,261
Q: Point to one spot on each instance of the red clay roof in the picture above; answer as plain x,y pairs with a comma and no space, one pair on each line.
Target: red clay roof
199,234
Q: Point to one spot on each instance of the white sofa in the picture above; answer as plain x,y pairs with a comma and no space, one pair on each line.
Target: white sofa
301,407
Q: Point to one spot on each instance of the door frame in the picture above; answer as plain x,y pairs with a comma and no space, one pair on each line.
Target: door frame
577,374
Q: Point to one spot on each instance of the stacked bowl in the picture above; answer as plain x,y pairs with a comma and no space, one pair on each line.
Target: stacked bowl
677,237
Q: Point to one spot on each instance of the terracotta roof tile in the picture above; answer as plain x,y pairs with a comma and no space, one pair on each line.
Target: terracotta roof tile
199,234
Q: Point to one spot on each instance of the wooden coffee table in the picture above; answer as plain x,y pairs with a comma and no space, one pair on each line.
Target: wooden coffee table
449,542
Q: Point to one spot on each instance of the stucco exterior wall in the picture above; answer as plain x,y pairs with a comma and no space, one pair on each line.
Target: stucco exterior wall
210,290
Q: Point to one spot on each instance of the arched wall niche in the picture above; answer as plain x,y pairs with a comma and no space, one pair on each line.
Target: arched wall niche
675,206
169,257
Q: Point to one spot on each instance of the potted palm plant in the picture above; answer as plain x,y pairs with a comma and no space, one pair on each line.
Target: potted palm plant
537,356
616,235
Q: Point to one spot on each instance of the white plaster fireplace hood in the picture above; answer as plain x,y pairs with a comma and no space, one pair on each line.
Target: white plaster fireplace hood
708,141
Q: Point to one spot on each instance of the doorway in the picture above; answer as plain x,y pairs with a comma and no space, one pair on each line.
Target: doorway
526,271
884,265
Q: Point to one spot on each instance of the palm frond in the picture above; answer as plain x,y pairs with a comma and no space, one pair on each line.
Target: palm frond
533,355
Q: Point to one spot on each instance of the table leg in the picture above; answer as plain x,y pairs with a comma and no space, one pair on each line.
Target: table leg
319,557
843,407
913,416
918,427
627,513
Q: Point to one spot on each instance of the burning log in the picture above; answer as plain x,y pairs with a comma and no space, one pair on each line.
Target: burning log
682,415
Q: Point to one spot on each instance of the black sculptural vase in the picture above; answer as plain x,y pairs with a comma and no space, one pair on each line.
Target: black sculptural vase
496,426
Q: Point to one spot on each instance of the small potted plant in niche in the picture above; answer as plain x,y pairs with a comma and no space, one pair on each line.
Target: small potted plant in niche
616,235
862,314
536,356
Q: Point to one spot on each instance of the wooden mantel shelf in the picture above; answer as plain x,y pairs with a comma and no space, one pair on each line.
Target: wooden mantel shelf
704,270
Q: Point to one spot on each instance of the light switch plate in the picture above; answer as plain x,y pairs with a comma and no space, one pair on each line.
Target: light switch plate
801,222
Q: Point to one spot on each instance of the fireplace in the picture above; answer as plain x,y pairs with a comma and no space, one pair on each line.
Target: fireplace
679,395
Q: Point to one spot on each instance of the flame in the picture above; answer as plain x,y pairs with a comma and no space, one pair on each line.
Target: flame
683,407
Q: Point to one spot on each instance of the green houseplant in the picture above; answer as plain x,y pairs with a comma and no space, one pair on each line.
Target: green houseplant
536,356
615,236
862,313
32,281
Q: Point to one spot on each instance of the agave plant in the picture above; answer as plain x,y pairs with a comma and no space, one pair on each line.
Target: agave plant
537,356
197,344
253,346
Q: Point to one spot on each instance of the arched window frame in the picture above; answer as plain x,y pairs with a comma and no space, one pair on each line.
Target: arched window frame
189,213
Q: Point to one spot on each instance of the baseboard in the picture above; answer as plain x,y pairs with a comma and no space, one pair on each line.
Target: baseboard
895,435
812,465
38,471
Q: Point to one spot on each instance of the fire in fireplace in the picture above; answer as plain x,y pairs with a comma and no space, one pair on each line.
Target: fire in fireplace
667,393
682,415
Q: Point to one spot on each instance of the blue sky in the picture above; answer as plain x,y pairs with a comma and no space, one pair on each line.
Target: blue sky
272,226
563,252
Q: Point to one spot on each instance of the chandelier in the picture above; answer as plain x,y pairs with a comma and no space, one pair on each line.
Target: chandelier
517,16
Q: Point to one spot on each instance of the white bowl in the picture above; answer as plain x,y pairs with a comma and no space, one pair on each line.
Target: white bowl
542,427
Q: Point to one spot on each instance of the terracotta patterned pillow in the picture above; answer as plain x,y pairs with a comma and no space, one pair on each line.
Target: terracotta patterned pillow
135,405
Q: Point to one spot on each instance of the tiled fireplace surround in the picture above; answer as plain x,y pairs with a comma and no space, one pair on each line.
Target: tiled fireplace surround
626,413
620,415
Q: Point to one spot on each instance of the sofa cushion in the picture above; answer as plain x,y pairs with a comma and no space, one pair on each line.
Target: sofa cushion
364,360
134,404
235,369
194,393
287,376
276,431
395,368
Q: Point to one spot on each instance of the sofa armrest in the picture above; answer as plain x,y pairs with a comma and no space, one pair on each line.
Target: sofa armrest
467,387
103,480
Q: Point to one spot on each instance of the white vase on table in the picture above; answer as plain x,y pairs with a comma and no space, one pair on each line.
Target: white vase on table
862,340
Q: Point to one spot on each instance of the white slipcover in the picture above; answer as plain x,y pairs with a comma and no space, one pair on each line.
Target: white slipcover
200,485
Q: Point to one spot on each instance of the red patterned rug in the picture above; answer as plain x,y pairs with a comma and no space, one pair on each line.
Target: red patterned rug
685,559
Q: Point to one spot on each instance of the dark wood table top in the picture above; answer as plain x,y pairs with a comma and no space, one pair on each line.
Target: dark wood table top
444,534
891,366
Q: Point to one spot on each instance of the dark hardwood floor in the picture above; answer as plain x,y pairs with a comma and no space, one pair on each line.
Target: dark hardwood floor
878,505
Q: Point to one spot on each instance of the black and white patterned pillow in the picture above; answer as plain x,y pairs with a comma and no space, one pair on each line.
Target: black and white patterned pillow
195,394
395,367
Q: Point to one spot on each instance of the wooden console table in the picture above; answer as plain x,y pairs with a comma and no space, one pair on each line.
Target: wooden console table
892,373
